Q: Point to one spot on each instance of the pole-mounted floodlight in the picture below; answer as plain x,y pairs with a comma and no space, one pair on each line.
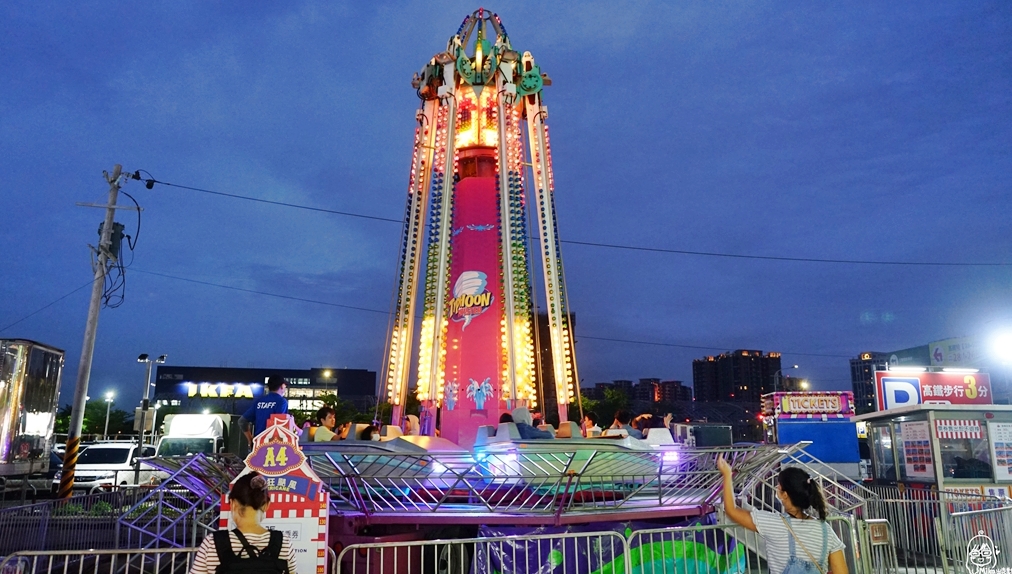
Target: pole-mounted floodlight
145,358
108,405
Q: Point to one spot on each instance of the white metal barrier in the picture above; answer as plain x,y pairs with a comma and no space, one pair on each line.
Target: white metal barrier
163,561
700,549
979,539
151,561
556,553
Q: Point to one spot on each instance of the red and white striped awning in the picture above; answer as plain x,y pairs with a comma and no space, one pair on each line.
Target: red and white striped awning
958,429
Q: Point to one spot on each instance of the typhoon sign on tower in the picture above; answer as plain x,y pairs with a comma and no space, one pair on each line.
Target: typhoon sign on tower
470,297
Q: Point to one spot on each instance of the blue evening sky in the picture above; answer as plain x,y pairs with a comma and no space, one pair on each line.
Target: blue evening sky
869,131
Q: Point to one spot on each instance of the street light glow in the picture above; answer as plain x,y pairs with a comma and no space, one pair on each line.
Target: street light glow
109,396
1001,347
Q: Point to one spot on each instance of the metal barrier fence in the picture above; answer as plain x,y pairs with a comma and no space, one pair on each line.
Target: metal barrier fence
555,553
158,561
701,549
918,520
164,561
66,524
978,539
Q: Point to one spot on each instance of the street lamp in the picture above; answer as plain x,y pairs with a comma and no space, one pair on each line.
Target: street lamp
776,378
144,358
108,405
154,425
804,385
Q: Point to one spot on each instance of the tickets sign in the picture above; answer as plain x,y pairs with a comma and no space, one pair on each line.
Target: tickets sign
895,390
813,403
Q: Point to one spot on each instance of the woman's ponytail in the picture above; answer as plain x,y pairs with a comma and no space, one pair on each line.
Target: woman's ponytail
816,499
803,491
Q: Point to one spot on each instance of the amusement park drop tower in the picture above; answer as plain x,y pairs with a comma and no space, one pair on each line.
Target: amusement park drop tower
466,218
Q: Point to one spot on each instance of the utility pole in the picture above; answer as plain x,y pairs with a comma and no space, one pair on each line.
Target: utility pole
88,347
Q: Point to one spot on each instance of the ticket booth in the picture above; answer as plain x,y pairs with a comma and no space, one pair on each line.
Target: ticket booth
966,448
822,418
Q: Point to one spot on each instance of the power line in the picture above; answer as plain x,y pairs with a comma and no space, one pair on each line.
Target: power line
302,299
368,310
43,308
255,292
281,203
153,181
776,258
701,347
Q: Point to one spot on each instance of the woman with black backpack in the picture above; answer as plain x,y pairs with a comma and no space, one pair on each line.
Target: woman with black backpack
798,541
250,548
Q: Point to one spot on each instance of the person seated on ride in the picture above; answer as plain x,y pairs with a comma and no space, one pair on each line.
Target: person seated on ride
327,418
525,425
622,419
411,426
370,432
590,426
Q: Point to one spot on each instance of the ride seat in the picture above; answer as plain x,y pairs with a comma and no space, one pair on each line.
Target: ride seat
486,434
311,434
506,432
356,430
615,432
391,431
569,429
547,427
659,437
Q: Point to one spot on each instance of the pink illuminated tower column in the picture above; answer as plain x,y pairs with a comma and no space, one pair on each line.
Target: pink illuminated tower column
467,256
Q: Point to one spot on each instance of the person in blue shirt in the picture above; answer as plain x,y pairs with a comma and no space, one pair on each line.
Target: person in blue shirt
272,403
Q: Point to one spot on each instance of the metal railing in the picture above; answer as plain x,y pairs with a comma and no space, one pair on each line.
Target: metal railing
532,481
80,522
152,561
876,549
918,520
567,553
184,508
162,561
698,549
978,539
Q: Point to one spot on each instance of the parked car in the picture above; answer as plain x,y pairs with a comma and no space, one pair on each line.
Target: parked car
107,464
39,481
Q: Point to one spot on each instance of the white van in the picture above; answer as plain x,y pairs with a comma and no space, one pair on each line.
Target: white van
106,464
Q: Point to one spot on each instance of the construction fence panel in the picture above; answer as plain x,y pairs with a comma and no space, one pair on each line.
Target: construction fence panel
583,553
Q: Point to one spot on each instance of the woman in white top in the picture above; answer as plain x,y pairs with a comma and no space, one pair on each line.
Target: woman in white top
804,521
249,499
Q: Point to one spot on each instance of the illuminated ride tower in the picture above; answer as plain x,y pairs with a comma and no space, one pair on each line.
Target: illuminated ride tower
466,220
